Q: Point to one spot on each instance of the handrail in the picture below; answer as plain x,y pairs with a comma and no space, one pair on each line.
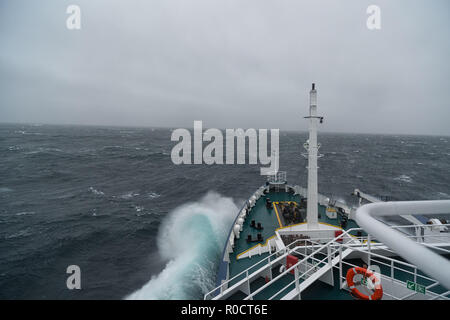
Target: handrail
250,296
286,252
288,249
295,265
430,292
331,244
428,261
305,273
311,239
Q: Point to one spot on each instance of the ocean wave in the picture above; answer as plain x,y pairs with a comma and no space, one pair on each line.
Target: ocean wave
96,192
19,234
5,189
25,213
44,150
129,195
140,211
404,178
112,148
14,148
28,133
153,195
191,240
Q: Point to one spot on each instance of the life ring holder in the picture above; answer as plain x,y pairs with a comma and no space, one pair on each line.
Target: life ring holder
377,295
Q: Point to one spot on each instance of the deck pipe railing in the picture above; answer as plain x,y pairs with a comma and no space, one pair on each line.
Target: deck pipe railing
428,261
289,250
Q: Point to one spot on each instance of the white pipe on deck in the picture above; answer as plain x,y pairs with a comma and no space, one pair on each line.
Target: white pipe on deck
426,260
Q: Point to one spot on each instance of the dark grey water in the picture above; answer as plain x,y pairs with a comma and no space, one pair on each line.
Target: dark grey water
105,199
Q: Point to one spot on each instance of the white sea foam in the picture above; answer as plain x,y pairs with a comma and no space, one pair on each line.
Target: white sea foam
129,195
14,148
25,213
97,192
191,239
153,195
404,178
29,133
19,234
43,150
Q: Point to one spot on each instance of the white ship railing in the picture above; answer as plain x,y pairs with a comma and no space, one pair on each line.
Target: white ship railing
306,274
265,262
364,242
269,260
428,261
334,246
375,258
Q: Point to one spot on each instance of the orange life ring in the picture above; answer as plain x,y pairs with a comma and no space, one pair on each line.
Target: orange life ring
369,274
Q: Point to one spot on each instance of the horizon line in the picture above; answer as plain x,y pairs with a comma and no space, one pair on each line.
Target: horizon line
205,128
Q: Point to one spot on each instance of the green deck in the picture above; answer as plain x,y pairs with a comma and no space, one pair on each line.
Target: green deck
269,220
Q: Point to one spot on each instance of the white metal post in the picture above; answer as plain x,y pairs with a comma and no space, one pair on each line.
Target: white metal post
329,254
248,285
312,207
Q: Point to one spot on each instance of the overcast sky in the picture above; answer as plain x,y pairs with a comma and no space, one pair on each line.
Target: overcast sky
230,63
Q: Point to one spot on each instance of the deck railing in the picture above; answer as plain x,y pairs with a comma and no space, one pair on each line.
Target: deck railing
356,243
429,262
334,247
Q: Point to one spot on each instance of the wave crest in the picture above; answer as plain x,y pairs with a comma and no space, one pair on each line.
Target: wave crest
191,239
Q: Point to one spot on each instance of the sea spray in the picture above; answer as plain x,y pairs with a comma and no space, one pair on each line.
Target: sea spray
191,239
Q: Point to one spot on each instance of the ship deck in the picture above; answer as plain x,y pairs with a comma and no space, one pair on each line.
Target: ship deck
271,220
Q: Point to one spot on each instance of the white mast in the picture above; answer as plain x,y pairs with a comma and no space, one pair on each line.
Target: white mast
312,147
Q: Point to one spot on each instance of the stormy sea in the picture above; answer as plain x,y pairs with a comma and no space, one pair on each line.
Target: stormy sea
111,201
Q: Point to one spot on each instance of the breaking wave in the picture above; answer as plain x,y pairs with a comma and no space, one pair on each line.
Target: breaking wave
25,213
96,192
153,195
191,239
129,195
404,178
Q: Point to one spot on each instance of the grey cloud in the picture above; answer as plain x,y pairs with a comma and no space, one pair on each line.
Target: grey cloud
230,63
